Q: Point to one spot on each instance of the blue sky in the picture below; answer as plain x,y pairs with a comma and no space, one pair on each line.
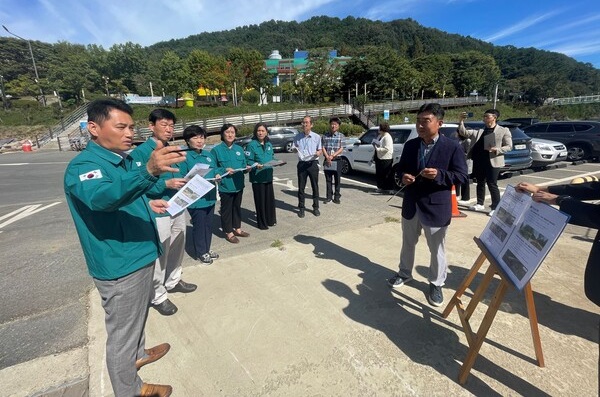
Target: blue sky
569,27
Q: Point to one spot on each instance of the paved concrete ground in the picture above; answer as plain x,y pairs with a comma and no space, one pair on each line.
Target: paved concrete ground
315,317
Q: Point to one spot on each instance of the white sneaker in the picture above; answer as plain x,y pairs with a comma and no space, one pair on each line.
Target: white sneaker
464,202
491,213
477,207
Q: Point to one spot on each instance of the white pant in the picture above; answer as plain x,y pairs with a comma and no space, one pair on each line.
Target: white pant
167,268
436,240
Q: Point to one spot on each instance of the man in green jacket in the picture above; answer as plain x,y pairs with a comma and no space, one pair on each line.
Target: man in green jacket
171,229
105,193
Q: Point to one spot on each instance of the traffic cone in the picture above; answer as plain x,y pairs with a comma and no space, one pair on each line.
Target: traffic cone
455,212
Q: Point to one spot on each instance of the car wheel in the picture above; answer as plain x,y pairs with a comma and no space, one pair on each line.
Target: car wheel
396,175
345,166
577,152
289,147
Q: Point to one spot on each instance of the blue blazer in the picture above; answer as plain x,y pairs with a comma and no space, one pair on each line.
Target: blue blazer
433,197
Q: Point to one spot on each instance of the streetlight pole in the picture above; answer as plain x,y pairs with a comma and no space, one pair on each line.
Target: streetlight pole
37,77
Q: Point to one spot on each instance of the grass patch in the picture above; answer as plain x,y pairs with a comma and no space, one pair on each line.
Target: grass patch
277,244
389,219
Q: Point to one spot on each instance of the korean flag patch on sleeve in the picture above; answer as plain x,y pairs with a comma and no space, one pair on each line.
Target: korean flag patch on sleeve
95,174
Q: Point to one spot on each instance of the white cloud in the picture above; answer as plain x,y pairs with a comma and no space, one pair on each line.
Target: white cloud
522,25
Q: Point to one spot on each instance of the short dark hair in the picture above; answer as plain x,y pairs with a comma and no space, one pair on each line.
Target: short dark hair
335,120
261,124
225,127
495,112
434,108
99,110
384,126
193,130
161,114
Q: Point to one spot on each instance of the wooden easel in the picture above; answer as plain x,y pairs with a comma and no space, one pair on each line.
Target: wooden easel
475,340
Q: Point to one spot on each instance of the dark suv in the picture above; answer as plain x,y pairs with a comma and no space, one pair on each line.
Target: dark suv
522,121
282,138
582,138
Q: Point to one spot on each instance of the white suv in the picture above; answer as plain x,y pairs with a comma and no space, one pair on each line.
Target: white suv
358,156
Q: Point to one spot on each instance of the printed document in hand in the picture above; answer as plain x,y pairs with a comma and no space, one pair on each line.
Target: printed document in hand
376,142
274,163
521,233
198,169
239,169
330,167
189,194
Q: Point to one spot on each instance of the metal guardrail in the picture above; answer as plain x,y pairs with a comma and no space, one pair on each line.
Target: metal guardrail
573,100
66,123
213,125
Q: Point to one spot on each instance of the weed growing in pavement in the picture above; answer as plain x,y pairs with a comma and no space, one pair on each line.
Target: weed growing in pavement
278,244
391,219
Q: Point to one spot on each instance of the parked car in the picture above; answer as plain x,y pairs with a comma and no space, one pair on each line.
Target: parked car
545,152
358,156
522,121
582,138
519,158
282,139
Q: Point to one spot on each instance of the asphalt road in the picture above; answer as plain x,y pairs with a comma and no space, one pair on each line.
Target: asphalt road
44,280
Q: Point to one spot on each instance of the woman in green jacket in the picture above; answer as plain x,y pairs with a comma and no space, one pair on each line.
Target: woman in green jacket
230,159
201,212
260,151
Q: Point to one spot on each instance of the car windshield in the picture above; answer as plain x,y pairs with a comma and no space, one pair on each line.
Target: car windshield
368,137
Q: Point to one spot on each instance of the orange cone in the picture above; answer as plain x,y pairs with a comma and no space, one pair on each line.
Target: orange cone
455,212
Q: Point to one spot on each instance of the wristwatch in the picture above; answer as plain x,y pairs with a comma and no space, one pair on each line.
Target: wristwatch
561,198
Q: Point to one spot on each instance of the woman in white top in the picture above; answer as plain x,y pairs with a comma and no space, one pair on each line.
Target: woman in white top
384,156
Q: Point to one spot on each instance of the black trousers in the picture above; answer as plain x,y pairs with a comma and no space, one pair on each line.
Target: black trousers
231,211
331,178
201,229
264,202
484,173
383,174
464,190
310,170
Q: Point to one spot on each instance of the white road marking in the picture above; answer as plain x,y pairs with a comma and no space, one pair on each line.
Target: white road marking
24,212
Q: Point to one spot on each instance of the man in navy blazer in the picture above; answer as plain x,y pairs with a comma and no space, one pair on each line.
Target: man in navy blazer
429,166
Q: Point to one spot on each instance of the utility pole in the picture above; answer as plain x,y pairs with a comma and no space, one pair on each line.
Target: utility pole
37,78
495,95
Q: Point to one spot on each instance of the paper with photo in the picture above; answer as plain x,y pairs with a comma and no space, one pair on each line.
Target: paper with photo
189,194
198,169
521,233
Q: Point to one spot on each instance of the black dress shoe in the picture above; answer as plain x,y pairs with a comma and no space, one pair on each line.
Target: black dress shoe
336,201
301,213
316,212
184,287
166,308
